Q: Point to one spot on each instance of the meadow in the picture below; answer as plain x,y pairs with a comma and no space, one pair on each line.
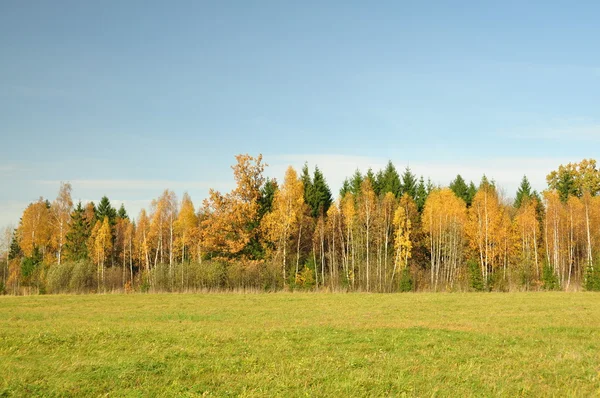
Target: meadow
301,344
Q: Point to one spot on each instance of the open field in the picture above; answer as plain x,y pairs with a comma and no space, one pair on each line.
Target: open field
301,344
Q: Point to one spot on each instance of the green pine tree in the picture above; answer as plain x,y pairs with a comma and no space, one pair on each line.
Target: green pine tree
356,182
122,213
105,209
523,192
472,191
388,180
409,183
77,237
422,195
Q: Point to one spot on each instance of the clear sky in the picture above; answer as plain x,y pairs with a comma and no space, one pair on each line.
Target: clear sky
127,98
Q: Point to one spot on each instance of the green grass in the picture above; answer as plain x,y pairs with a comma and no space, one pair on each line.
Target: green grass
283,344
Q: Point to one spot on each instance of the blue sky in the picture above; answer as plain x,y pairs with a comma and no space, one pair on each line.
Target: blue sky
127,98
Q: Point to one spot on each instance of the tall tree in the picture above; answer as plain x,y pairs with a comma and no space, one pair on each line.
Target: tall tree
421,195
367,202
78,235
524,193
409,183
356,182
102,236
230,221
402,239
444,219
388,180
61,216
105,209
35,230
122,213
320,199
186,226
282,223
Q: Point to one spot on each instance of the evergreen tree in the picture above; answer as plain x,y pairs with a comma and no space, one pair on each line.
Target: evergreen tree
345,188
460,188
122,213
356,182
389,181
105,209
370,176
523,192
567,186
78,235
15,250
267,193
409,183
321,199
472,191
430,187
422,194
317,194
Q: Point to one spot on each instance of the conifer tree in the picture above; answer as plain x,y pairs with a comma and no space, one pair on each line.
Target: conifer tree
122,213
523,192
421,195
105,209
78,235
409,183
388,180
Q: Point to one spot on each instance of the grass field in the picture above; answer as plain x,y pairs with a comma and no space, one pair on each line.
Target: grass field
284,344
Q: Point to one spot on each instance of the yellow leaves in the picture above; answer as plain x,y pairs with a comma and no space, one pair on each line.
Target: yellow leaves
443,210
402,242
287,211
35,229
229,221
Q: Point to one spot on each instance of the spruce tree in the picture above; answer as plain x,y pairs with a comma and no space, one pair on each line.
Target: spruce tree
77,237
356,182
471,193
409,183
267,193
389,180
15,250
422,194
321,198
460,188
345,188
523,192
122,213
105,209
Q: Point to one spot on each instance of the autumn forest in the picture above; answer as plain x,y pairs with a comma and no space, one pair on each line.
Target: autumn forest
385,232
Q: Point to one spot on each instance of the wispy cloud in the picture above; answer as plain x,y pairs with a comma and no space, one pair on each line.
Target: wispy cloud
139,185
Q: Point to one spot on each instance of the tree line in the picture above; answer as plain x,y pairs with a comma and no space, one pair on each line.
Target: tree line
386,232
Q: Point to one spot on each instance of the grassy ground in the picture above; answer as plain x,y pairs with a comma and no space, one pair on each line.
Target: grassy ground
538,344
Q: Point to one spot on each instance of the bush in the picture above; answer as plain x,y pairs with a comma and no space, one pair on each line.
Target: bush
59,277
406,281
306,278
592,278
475,277
83,277
549,278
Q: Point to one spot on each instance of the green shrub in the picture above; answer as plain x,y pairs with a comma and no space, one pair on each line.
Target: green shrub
83,277
549,278
592,278
406,281
475,277
59,277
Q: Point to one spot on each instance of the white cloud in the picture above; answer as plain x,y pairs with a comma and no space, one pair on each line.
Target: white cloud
137,185
10,212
